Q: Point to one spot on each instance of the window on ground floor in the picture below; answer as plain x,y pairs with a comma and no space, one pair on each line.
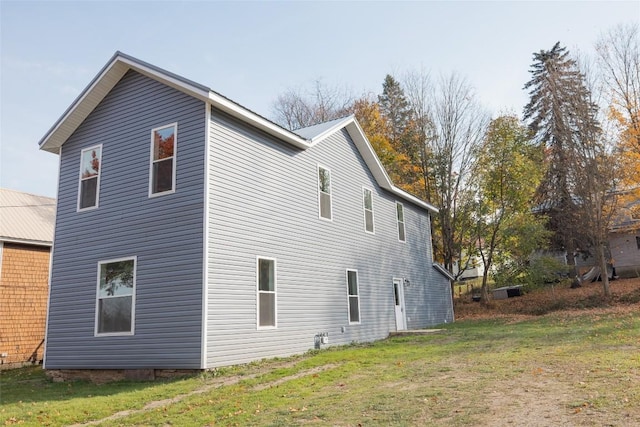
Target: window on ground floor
354,297
115,304
266,293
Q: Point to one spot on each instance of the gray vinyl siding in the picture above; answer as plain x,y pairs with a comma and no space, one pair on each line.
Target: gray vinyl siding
625,252
263,201
165,233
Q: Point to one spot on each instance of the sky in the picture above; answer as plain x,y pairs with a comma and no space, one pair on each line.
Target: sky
253,51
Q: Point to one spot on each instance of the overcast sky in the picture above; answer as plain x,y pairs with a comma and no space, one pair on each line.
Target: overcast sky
253,51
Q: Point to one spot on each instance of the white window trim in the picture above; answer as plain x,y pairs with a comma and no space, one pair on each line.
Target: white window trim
175,161
78,208
398,222
348,296
275,293
133,299
364,212
319,192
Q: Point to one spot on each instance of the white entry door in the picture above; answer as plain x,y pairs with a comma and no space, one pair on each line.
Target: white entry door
398,299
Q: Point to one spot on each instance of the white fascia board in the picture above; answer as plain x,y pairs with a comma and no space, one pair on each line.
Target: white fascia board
109,76
369,155
26,241
82,106
181,85
100,86
413,199
440,269
378,171
257,121
339,125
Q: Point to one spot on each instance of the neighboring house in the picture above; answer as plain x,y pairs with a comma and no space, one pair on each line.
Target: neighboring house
26,233
475,268
624,237
193,233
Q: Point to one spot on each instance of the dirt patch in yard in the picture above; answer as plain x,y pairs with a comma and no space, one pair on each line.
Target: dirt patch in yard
543,398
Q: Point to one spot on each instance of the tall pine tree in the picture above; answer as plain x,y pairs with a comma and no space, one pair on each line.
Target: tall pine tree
562,119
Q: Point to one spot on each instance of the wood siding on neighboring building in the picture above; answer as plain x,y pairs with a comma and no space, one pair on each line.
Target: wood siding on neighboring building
163,232
263,202
23,302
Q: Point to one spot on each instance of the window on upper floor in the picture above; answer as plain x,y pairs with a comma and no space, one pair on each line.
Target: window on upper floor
266,293
115,302
162,171
400,219
324,192
638,241
367,204
354,296
89,185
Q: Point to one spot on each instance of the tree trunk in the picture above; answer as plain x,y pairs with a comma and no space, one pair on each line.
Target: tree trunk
571,262
604,272
484,292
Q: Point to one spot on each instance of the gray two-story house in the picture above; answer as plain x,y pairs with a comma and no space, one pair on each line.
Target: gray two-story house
193,233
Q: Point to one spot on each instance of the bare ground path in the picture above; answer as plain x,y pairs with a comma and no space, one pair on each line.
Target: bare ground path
208,386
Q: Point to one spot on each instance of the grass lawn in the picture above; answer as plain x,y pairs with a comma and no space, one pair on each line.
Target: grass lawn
566,367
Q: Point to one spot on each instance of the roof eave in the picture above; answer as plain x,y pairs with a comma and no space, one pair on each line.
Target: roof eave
378,171
100,86
239,112
443,271
25,241
120,63
113,71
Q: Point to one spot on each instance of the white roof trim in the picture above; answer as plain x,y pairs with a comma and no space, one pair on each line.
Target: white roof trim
440,269
256,120
120,63
339,125
111,73
25,241
378,171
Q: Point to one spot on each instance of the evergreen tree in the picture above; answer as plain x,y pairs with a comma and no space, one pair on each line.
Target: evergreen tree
562,119
397,110
395,107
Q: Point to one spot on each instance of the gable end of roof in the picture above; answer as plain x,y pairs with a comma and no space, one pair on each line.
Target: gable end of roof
305,138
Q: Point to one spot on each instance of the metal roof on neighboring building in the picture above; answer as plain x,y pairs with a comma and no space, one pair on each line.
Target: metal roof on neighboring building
26,218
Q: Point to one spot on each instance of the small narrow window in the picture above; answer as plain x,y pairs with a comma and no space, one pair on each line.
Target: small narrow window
116,297
638,241
354,297
368,210
400,218
89,186
324,192
162,174
266,292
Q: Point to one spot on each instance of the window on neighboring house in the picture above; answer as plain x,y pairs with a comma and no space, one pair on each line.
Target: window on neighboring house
400,218
116,297
368,209
162,174
266,292
354,297
89,185
324,192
